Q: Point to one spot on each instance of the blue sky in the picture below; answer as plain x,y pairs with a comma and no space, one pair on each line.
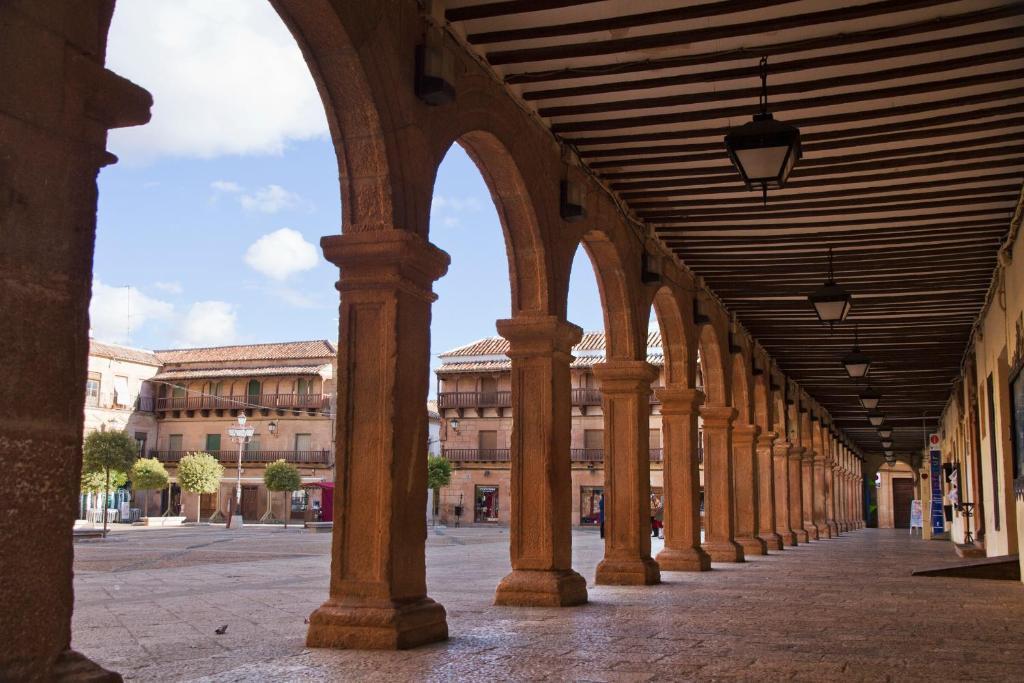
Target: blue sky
209,225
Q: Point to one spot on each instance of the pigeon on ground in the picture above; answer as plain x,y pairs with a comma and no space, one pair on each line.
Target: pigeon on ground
222,630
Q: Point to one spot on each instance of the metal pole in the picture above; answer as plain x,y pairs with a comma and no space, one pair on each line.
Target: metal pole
238,480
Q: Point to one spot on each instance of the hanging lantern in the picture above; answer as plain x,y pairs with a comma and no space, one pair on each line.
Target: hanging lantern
890,457
869,398
887,443
831,302
885,432
857,364
764,151
876,419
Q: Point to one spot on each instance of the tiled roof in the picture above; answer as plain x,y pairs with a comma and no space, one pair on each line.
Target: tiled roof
432,410
125,353
498,346
213,373
319,348
656,360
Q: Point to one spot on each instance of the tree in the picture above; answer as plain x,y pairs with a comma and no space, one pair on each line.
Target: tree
439,473
148,474
107,452
199,473
281,476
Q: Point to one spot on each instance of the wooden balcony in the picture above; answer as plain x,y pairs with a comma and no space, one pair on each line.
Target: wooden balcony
322,457
257,401
474,399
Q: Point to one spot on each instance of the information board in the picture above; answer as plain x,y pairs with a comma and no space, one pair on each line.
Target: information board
935,460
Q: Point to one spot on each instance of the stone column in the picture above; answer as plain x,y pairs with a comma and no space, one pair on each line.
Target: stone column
807,479
796,493
378,594
766,492
859,480
780,470
744,482
540,532
719,521
830,497
839,484
820,522
626,403
682,551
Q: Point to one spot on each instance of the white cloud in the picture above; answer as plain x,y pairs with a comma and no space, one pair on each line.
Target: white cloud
169,287
281,254
226,77
270,199
208,323
228,186
113,310
454,204
294,297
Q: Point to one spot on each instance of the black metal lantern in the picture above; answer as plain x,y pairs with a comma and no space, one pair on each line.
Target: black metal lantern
885,432
831,302
869,398
890,457
887,443
876,419
764,151
857,364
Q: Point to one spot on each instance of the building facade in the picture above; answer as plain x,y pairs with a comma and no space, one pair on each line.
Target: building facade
474,398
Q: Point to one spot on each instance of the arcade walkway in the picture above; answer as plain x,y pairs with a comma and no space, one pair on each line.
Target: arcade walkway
148,601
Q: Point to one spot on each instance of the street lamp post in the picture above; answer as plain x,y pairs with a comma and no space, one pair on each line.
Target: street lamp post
241,435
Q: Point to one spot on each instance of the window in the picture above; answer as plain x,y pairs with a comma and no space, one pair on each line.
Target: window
253,388
121,395
178,391
92,389
654,439
174,442
593,439
990,400
140,438
304,386
212,443
303,442
488,440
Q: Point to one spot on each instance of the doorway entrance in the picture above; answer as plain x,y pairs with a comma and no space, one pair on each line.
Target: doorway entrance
902,497
590,505
250,502
486,504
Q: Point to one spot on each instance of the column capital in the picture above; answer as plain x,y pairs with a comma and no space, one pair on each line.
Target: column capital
744,433
809,454
679,400
796,452
625,376
396,258
767,438
530,335
717,416
781,448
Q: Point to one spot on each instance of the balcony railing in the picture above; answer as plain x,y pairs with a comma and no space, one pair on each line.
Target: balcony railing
474,399
587,454
322,457
586,397
656,455
476,454
267,401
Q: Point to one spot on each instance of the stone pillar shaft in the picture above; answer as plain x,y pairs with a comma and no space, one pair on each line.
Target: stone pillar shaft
830,499
625,401
745,494
807,479
679,410
796,493
820,522
378,586
540,533
780,471
719,521
766,492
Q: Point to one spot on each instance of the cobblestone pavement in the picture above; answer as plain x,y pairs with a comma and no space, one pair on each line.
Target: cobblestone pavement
148,601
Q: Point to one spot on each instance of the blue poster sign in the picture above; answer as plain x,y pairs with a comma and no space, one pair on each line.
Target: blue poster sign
935,460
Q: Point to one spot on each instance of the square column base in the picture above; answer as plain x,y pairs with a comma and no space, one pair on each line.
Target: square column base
812,533
641,571
541,588
752,545
376,626
833,529
788,538
772,541
683,560
801,535
824,531
69,666
727,551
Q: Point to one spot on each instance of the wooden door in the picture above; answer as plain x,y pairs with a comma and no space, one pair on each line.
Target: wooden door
902,497
250,502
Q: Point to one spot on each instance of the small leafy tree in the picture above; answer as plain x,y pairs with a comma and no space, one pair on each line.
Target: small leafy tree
107,452
148,474
95,482
199,473
281,476
439,473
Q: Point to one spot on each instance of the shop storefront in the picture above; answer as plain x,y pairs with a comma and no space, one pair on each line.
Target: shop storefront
590,505
486,498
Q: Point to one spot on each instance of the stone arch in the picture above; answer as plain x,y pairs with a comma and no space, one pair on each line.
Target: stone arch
764,407
524,243
742,384
625,332
777,398
344,78
675,322
716,374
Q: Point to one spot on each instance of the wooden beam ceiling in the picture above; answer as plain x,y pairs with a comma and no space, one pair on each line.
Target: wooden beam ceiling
913,138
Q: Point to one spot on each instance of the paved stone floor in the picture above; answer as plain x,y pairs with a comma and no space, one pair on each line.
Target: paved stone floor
148,601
